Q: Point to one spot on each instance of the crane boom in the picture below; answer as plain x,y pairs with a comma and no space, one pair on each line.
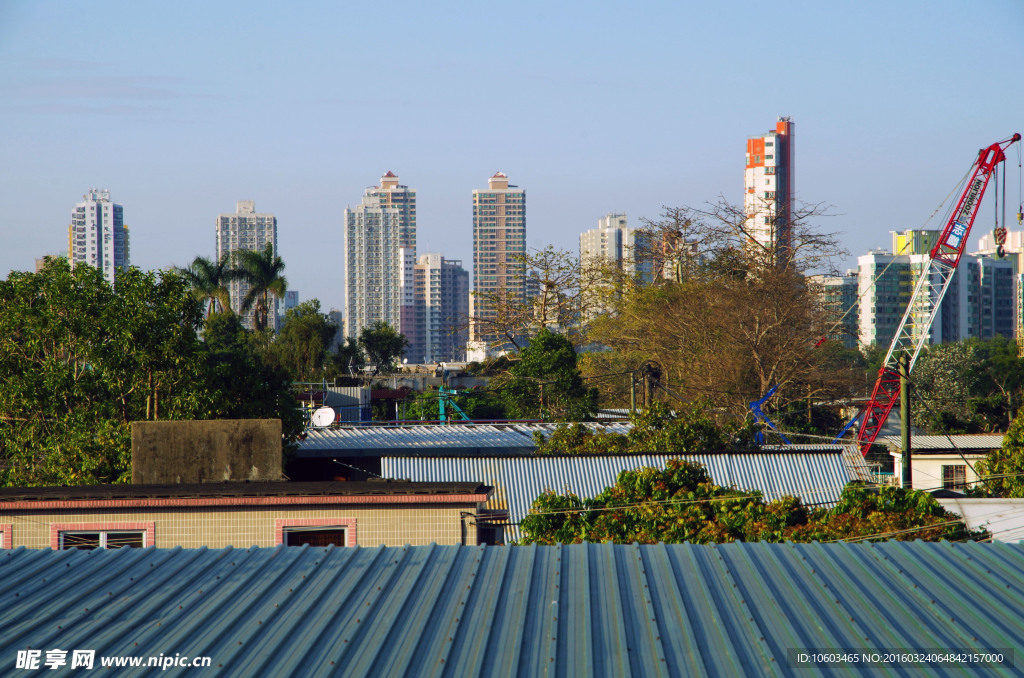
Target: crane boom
929,291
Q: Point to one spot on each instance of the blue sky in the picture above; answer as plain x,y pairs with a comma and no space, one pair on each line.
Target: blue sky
181,109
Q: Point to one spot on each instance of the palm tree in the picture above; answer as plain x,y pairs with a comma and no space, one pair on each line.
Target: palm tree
261,269
209,282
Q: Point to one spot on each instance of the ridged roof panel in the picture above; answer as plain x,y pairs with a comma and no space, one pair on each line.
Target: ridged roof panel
581,610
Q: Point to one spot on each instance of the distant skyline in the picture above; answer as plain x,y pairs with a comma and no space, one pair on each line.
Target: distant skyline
183,109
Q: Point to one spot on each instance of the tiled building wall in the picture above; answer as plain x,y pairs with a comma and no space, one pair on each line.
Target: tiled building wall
218,527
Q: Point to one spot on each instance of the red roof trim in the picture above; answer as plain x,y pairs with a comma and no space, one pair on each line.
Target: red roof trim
184,502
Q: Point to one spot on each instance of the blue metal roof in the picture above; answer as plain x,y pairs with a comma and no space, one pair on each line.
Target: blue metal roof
817,478
581,610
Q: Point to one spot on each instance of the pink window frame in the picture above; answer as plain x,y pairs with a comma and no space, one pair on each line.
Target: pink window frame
6,536
57,528
348,523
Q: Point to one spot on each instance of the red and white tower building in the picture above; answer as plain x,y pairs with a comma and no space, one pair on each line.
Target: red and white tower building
768,190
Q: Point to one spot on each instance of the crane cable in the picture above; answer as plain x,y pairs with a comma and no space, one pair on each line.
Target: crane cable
878,277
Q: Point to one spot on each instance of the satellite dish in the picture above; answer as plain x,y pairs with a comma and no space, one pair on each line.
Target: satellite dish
323,416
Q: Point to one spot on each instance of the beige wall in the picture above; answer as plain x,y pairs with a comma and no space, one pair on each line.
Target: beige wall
926,469
217,527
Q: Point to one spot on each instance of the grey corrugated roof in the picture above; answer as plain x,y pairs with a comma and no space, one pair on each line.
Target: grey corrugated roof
517,481
582,610
852,457
963,442
427,438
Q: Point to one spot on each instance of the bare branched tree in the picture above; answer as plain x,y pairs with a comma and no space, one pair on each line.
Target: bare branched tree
558,294
730,316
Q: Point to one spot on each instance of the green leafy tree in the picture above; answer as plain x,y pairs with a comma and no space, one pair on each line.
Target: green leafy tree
688,429
245,386
545,382
478,405
262,271
209,282
81,360
302,347
383,345
682,503
946,379
1003,469
341,362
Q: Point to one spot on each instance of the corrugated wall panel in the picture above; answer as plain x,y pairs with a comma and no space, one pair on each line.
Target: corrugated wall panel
816,478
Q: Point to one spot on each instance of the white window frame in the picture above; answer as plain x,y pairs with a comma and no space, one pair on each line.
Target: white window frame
103,537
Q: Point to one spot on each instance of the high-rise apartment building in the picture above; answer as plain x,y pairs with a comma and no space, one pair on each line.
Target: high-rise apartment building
979,302
392,194
442,309
614,242
837,299
499,241
1009,247
97,235
768,191
380,241
246,229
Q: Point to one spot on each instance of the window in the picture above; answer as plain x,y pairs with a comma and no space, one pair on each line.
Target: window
5,536
316,531
315,536
102,535
954,477
102,539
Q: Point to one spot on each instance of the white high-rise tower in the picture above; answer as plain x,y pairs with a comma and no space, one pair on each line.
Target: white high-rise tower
380,257
97,235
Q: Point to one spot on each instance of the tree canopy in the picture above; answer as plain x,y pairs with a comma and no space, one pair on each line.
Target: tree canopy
1003,469
968,386
682,503
545,382
209,282
383,345
263,271
302,346
82,359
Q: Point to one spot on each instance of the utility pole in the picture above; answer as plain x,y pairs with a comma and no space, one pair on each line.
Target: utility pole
632,393
905,419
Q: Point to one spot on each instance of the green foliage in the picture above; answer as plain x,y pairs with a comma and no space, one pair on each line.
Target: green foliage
1003,469
302,347
245,386
262,271
383,345
682,503
577,439
209,282
336,368
82,360
478,405
545,382
657,430
969,386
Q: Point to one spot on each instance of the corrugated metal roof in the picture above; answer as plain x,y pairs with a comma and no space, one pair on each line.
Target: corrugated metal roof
517,481
1003,518
425,438
581,610
854,460
963,442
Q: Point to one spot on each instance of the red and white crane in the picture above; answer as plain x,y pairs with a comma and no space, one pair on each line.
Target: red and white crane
928,293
